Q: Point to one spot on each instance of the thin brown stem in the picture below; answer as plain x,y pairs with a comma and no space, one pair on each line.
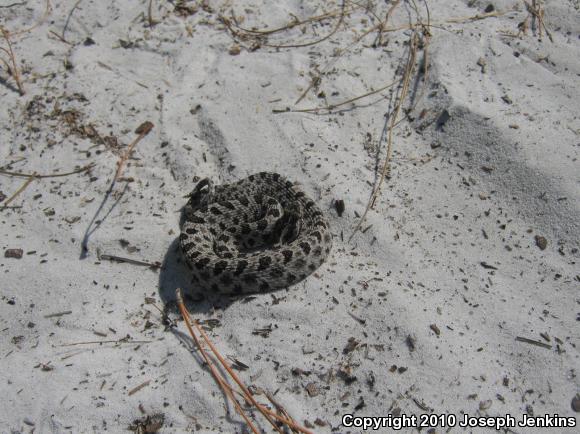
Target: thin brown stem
409,67
152,22
112,341
331,107
241,385
38,23
318,41
69,16
290,25
13,70
381,25
268,414
20,190
142,131
51,175
221,381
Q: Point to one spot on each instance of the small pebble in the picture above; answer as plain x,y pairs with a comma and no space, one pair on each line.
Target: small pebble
339,206
507,99
541,242
443,118
13,253
312,390
435,329
484,405
576,403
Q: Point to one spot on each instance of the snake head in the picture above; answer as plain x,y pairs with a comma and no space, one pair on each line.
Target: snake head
199,197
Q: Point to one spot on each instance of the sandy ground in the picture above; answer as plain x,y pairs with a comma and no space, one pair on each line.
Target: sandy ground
471,246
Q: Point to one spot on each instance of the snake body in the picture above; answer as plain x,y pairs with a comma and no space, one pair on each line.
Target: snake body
258,234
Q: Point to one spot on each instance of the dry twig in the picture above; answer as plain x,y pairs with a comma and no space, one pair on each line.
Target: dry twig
154,265
142,131
268,414
50,175
152,21
68,19
381,25
11,67
38,23
318,41
111,341
408,72
288,26
17,192
331,107
537,11
533,342
138,388
226,389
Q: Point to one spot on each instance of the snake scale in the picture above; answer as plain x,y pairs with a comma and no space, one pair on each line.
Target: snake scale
258,234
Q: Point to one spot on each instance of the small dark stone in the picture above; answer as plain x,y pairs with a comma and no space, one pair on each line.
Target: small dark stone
541,242
442,119
350,346
489,8
339,206
576,403
13,253
88,42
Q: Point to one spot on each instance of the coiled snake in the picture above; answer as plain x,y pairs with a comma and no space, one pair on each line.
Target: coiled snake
258,234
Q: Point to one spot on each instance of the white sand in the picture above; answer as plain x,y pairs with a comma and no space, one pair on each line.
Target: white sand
475,189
